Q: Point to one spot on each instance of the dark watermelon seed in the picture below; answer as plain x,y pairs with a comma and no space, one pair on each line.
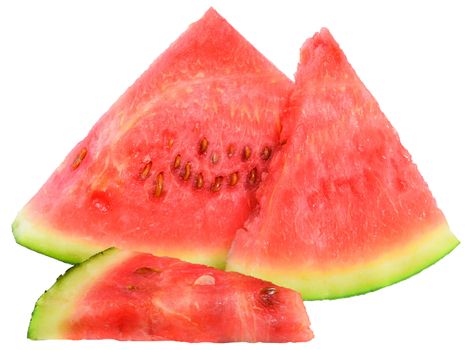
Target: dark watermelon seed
159,184
79,158
253,177
145,172
230,151
170,143
217,184
203,146
177,161
199,181
233,178
186,173
131,287
246,153
146,271
214,158
266,153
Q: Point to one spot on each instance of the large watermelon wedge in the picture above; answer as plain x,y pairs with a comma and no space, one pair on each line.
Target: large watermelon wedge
136,296
344,210
171,168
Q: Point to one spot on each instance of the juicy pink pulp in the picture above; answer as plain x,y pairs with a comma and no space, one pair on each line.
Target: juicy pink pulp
172,166
151,298
344,190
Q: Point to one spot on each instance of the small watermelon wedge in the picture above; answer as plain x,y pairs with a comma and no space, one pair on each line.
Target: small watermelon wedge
172,167
127,295
344,210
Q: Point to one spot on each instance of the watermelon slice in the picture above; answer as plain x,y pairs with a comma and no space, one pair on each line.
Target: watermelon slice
345,210
172,167
137,296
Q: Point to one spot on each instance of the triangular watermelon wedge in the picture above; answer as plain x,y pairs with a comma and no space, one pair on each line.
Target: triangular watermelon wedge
127,295
172,167
345,210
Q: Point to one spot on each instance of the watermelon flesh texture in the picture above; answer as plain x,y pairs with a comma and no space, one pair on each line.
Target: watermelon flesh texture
345,210
137,296
172,167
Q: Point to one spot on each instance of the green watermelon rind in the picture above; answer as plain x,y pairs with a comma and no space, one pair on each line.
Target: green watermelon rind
55,305
387,271
34,236
30,233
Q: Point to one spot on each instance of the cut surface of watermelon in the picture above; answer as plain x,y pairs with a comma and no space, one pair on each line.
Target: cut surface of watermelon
344,210
126,295
172,167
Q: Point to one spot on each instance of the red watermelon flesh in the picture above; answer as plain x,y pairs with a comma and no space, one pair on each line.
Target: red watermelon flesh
344,210
171,168
136,296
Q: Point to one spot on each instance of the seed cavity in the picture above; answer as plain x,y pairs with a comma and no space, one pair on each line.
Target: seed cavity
177,161
230,151
203,145
159,184
267,296
199,181
217,184
186,173
100,201
266,153
145,271
145,172
233,178
253,176
205,280
246,153
214,158
79,158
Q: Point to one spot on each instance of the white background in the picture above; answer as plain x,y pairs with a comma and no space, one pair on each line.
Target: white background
63,64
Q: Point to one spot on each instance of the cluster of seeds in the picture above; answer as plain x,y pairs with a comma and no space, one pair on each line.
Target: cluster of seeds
232,179
185,171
